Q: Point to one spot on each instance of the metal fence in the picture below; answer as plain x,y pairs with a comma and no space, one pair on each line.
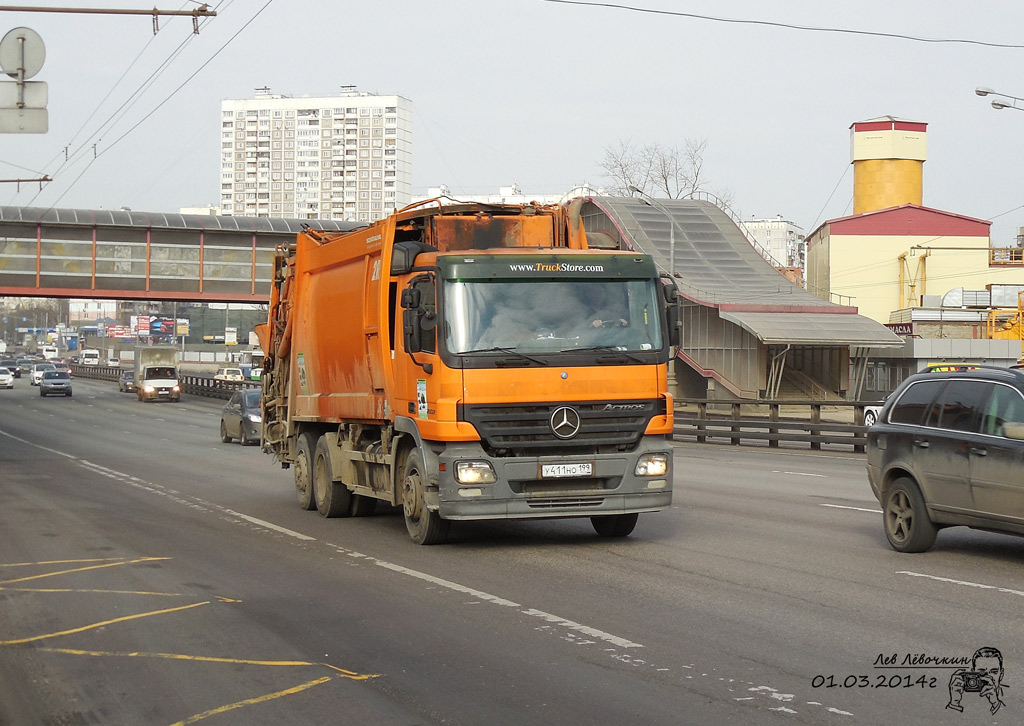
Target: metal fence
190,384
815,423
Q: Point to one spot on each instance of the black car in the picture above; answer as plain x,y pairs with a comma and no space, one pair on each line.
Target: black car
12,365
126,382
241,418
948,449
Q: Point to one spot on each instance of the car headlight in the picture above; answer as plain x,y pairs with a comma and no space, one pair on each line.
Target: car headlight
254,417
148,389
474,472
176,389
652,465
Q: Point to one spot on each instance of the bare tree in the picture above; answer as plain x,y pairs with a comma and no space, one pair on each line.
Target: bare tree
658,170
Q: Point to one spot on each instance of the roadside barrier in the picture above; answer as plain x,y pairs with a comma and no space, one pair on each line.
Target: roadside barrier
191,384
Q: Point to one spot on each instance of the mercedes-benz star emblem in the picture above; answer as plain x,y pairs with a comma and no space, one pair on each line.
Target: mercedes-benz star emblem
565,422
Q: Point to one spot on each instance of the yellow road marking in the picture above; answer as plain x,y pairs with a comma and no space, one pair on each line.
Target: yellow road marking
179,656
351,675
62,562
99,592
34,638
251,701
83,569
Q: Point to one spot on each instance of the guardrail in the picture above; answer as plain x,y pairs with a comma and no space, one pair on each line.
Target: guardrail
191,384
764,422
694,417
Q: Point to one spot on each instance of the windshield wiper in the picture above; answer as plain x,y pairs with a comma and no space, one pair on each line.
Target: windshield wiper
608,348
507,351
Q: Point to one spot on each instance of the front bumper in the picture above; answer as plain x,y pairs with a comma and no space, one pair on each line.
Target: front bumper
520,492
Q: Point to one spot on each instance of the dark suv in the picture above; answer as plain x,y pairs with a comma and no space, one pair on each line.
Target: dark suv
948,449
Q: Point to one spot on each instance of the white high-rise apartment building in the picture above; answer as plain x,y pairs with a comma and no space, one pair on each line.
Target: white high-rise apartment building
339,157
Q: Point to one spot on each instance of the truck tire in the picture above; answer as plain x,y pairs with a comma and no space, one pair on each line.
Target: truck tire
333,499
305,449
614,525
363,506
425,527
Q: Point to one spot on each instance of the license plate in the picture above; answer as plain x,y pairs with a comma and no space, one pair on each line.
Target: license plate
557,471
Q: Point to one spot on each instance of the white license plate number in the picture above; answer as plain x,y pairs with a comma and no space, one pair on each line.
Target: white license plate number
559,471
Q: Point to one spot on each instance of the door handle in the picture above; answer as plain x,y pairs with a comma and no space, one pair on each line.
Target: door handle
922,443
978,451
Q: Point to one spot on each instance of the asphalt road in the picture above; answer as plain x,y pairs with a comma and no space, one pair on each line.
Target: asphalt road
150,574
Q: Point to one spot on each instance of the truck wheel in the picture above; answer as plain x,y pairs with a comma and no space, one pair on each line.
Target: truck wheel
425,527
363,506
614,525
303,466
223,432
333,499
907,525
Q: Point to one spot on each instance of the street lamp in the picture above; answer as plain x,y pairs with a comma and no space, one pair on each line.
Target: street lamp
998,103
652,202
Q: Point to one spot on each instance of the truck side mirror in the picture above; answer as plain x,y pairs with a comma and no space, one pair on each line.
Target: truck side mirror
411,326
670,292
410,298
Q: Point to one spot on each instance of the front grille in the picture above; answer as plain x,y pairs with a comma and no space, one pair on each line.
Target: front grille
565,503
527,427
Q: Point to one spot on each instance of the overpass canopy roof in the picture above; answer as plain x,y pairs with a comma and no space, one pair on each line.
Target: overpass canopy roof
165,220
715,265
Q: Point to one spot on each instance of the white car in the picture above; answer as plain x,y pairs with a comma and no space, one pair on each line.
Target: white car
229,374
871,413
37,372
6,378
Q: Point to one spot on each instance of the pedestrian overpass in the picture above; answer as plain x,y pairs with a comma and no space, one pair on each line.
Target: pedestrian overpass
125,255
748,331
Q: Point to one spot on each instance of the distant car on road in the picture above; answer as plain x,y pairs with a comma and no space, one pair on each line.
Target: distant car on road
229,374
38,369
12,365
25,366
55,382
126,382
6,378
62,366
241,418
871,412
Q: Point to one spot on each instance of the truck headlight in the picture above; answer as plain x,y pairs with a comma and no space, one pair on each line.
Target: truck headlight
148,389
176,389
474,472
652,465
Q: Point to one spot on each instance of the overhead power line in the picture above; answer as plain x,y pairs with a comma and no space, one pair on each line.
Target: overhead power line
787,26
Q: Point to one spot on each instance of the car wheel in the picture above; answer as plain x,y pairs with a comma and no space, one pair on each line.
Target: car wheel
869,418
243,439
68,394
224,433
42,392
614,525
303,468
907,524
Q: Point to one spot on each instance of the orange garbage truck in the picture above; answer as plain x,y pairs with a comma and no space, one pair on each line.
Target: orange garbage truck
471,362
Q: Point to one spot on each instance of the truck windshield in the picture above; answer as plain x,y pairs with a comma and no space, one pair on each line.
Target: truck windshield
551,316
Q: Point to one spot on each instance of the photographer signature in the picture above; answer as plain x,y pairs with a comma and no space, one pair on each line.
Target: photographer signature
985,678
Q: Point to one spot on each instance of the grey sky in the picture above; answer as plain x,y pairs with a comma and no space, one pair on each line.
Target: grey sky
532,92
